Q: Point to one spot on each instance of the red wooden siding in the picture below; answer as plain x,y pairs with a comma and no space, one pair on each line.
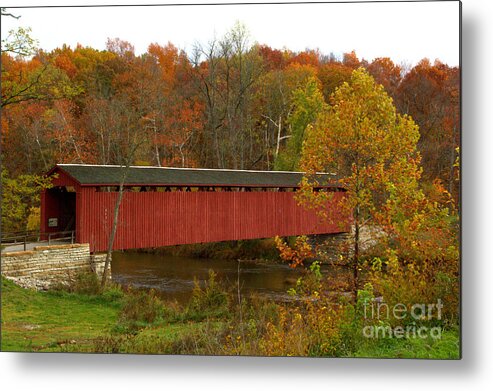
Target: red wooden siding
155,219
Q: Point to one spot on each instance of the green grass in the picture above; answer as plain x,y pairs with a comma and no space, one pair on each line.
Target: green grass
46,321
447,347
58,321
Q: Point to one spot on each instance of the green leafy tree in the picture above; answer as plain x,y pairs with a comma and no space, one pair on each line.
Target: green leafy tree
19,196
308,102
19,41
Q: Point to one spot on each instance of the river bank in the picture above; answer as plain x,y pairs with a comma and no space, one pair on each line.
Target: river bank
212,323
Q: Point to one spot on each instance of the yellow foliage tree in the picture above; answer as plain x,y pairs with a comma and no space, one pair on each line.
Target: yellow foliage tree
371,147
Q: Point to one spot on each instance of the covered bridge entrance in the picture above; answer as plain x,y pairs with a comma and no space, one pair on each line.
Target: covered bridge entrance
170,206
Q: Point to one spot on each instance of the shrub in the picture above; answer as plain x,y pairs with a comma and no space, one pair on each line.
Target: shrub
139,309
211,300
411,284
312,325
249,324
86,283
112,293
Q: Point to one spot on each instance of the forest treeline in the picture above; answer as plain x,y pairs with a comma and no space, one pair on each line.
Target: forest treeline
230,103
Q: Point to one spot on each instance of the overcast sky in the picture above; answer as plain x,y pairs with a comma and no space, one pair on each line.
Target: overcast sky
405,32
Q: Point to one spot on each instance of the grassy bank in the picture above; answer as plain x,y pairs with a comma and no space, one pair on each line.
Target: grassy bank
212,323
46,321
58,321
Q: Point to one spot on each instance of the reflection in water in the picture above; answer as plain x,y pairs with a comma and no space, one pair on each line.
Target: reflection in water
173,277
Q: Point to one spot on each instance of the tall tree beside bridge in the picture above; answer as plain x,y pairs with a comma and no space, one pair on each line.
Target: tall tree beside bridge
371,147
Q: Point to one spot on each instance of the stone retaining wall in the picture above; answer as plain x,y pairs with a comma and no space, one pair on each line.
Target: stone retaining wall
46,266
338,248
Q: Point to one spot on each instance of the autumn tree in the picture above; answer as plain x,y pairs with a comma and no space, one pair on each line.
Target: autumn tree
386,73
113,115
332,75
24,140
307,57
174,111
69,142
31,86
226,72
351,60
273,59
361,137
430,94
26,79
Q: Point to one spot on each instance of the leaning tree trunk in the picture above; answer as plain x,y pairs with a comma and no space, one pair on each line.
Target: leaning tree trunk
114,227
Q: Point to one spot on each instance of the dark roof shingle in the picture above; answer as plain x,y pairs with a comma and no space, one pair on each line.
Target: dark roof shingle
138,175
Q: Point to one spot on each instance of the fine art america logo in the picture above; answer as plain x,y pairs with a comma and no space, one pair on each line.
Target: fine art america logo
382,312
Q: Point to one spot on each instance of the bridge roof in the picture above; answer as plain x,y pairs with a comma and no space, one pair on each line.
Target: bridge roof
106,175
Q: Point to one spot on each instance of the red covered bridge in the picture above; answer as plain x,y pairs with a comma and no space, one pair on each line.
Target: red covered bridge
170,206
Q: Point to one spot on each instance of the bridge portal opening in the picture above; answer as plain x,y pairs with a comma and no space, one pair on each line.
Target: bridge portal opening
60,209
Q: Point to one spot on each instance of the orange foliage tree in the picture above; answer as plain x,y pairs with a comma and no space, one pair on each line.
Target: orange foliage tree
430,94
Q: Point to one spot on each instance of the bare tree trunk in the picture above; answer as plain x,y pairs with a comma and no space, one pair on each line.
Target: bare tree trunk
40,149
156,147
72,139
156,151
114,225
267,147
180,148
279,127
